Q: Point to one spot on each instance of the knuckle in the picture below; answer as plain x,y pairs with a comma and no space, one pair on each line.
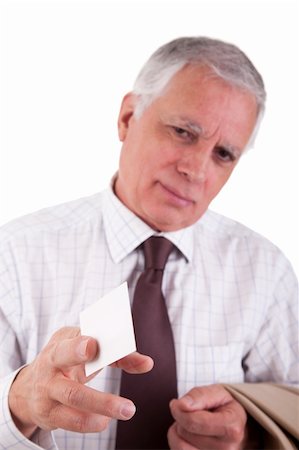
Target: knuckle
173,438
190,423
103,423
54,417
192,426
52,350
109,408
66,332
196,391
72,395
235,432
86,423
40,404
80,423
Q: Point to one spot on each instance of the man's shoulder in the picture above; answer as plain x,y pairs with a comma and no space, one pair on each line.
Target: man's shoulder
61,218
223,228
226,238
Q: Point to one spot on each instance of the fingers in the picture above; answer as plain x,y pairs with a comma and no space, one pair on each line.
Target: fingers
75,420
51,392
68,348
135,363
204,423
201,410
208,417
205,398
71,351
175,441
224,422
181,439
78,396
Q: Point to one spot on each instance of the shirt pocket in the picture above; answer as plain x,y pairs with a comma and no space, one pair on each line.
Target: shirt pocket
213,364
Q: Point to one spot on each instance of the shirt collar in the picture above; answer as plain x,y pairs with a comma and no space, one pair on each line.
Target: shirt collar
125,231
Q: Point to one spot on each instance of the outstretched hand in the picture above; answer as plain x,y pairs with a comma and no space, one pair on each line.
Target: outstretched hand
50,392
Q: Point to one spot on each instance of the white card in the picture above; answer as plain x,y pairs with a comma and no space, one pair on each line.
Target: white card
109,321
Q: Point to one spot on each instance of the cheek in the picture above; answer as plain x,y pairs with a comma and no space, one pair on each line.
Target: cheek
131,163
154,164
215,182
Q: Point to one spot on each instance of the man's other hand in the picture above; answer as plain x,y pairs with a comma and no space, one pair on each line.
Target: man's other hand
207,418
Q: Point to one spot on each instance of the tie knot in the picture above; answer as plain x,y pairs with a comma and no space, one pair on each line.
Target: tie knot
156,252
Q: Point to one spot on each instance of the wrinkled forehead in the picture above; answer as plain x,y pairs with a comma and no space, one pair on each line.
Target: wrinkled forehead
202,74
204,103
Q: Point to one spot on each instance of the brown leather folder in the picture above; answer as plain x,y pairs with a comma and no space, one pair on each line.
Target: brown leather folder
275,407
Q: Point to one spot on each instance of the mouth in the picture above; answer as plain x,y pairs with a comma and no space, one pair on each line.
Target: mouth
178,198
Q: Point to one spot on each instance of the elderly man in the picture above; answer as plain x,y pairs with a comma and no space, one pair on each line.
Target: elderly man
230,295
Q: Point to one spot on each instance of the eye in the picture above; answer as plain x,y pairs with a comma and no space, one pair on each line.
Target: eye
225,155
183,134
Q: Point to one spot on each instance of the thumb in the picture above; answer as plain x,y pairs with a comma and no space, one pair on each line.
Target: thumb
205,398
135,363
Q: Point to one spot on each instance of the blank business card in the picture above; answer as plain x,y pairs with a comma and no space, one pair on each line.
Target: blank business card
109,321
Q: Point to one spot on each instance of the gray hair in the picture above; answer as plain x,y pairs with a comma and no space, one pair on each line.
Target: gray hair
226,60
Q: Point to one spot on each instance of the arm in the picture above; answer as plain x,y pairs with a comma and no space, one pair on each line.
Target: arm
215,418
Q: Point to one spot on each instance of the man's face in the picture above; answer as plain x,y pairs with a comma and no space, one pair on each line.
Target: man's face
177,156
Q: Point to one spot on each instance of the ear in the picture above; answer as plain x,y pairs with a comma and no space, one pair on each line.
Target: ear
125,115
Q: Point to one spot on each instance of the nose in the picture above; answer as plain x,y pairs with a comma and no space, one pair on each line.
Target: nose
194,164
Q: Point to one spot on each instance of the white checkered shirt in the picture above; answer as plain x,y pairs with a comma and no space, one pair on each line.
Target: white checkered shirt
230,293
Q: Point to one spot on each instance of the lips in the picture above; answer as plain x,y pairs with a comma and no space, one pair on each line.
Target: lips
177,196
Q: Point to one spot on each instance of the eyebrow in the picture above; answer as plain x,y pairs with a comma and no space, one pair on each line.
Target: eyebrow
235,151
199,130
187,123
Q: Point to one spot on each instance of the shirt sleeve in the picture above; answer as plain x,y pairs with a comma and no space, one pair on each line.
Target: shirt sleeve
11,437
12,358
275,353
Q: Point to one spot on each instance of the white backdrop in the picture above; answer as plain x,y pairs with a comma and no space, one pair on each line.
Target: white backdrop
65,66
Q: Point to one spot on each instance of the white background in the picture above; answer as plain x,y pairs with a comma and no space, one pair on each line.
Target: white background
65,66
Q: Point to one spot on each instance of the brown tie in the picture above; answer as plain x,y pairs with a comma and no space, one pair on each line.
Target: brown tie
150,392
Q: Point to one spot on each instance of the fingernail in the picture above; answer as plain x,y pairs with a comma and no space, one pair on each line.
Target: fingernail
188,401
82,347
128,410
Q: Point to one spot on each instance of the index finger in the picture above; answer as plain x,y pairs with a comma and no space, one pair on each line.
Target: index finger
205,398
85,398
204,423
67,352
227,420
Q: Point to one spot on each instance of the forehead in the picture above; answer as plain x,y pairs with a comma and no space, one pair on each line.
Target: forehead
196,94
201,83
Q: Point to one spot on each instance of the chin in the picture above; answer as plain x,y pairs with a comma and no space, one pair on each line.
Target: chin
167,219
169,225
